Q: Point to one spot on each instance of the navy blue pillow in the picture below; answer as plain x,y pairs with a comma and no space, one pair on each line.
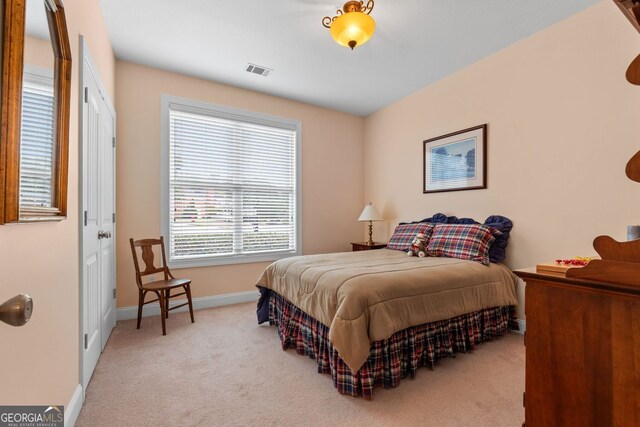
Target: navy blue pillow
498,249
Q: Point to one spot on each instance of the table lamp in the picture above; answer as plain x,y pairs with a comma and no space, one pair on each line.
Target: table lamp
370,213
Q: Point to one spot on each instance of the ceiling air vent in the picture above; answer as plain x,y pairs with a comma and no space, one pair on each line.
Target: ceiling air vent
259,70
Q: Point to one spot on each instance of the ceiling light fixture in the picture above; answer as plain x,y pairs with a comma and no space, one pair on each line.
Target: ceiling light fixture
352,26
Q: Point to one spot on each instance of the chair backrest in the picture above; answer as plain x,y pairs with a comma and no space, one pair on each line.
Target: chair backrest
148,257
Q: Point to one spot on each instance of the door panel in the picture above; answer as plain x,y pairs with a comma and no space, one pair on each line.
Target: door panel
107,209
91,247
98,204
91,160
92,318
108,311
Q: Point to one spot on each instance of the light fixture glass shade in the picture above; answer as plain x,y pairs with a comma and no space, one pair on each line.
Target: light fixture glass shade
352,29
370,213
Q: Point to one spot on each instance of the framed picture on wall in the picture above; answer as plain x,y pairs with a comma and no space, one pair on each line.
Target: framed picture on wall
456,161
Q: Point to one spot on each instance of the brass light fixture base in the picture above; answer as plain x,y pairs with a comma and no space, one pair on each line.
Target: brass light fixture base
352,6
348,7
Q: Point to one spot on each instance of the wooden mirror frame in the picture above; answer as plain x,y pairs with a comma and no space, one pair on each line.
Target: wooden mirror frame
11,109
631,10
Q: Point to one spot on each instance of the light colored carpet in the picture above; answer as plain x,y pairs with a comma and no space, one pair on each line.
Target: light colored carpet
225,370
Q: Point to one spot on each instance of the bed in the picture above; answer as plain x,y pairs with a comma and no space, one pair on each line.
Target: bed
371,318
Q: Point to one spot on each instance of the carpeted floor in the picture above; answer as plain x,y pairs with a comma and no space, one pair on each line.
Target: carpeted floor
225,370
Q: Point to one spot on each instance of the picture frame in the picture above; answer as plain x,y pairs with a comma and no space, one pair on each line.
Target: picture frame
456,161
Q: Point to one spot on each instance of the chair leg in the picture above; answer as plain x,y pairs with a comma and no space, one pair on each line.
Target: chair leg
140,304
187,289
162,313
167,302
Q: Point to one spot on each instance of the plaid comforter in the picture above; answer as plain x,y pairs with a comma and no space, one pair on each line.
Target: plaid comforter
392,359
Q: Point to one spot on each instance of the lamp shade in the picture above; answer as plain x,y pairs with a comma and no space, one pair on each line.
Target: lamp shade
352,29
370,213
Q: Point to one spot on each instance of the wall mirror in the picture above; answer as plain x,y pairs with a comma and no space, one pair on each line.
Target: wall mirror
35,95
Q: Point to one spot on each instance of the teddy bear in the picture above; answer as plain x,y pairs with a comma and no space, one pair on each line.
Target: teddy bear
418,246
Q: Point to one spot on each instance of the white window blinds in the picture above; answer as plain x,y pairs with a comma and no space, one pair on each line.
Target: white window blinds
36,142
232,186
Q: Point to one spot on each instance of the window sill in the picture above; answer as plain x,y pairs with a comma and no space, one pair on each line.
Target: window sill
29,220
28,215
230,259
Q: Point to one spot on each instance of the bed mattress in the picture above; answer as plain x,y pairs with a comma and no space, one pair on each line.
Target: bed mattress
368,296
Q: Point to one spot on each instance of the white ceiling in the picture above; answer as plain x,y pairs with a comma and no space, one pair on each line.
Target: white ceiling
416,43
36,20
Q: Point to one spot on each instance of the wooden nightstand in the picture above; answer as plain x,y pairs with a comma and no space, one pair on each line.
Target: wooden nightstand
364,246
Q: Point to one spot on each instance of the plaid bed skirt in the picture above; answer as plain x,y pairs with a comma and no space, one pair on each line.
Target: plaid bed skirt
394,358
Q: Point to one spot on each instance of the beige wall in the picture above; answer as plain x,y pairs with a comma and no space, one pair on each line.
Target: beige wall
332,172
38,52
562,125
40,360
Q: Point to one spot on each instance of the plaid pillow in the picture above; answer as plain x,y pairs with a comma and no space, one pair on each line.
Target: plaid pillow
463,241
404,233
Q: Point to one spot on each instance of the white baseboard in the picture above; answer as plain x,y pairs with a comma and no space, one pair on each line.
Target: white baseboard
522,326
126,313
72,410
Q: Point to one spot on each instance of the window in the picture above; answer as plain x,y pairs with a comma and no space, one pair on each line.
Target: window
230,184
36,139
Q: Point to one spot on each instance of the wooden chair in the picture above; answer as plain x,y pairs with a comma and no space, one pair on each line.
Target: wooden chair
162,288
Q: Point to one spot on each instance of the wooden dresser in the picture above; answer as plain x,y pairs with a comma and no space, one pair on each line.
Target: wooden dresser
582,352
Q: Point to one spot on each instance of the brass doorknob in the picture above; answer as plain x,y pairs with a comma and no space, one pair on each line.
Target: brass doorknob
17,310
